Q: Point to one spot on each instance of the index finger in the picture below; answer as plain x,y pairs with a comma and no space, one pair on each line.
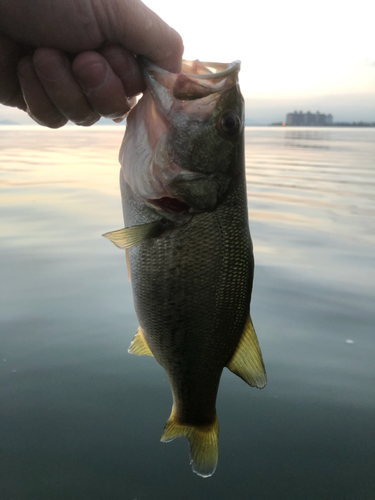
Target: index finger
137,28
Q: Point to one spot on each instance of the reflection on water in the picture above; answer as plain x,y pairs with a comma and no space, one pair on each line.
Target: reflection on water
303,137
80,418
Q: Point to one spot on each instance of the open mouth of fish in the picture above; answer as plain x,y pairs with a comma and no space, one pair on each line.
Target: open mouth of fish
149,164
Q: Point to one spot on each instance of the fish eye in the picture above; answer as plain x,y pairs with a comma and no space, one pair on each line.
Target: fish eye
230,123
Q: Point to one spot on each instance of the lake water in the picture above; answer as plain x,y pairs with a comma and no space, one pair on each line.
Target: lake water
81,419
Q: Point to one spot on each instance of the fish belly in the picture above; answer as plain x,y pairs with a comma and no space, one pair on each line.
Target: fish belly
192,289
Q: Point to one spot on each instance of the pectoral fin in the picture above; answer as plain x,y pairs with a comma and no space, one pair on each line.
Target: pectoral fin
135,235
139,344
247,361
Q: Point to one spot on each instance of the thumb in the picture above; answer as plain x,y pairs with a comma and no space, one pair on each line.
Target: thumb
138,29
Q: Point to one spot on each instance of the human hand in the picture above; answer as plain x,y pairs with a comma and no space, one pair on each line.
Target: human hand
75,60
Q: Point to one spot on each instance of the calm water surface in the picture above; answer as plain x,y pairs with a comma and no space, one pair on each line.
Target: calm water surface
81,419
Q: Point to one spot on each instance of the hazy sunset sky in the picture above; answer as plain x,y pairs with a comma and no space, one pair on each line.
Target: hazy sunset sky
295,55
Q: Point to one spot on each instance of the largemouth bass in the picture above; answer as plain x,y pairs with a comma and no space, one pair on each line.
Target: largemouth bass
188,243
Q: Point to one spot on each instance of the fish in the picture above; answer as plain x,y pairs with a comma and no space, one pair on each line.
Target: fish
187,241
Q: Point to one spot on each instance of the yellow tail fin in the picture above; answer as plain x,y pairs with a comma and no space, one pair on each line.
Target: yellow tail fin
203,441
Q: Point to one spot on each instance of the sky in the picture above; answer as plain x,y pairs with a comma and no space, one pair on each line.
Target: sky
310,56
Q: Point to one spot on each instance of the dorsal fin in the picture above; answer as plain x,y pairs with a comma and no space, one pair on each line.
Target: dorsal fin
247,361
139,344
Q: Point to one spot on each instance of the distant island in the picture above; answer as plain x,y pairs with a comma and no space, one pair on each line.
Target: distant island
300,119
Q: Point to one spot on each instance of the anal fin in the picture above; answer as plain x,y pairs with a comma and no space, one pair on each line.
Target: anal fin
139,344
247,361
203,443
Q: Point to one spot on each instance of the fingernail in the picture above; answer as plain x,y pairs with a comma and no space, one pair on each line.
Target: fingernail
92,76
51,69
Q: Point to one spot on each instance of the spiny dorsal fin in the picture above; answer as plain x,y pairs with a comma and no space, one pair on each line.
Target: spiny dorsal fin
203,442
135,235
247,361
139,344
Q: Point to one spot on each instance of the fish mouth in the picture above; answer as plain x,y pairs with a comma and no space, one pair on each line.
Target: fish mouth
200,70
197,80
209,70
